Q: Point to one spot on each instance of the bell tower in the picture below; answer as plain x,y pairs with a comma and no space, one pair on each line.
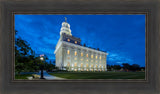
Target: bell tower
65,28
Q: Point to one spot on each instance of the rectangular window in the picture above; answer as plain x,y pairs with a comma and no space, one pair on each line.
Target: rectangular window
68,52
86,55
91,56
96,57
100,57
81,54
75,64
75,53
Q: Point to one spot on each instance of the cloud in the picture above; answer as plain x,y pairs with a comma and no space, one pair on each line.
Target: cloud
123,36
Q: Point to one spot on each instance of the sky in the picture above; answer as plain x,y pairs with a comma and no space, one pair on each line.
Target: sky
122,36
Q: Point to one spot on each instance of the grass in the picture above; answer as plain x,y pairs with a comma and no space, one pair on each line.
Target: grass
22,76
100,75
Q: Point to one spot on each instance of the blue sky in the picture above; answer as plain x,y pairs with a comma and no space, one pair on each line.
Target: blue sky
122,36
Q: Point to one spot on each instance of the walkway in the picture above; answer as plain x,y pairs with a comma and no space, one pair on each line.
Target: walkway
47,76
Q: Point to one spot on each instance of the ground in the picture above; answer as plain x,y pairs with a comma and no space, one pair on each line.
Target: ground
100,75
89,75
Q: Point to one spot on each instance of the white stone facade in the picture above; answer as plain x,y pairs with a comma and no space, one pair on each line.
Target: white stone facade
72,56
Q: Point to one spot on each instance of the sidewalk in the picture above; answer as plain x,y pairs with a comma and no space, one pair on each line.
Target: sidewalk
47,76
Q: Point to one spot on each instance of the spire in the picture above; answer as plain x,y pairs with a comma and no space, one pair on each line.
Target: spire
65,19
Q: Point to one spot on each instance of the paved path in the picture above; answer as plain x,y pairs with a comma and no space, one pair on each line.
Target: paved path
50,77
47,76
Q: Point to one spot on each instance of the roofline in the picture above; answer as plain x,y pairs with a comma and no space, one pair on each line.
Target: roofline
85,47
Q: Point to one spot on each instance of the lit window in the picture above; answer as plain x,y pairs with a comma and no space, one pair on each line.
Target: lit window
91,60
92,65
96,66
75,42
91,56
75,64
100,57
86,55
75,53
68,40
68,64
68,52
75,58
81,54
86,65
81,64
87,59
96,57
68,57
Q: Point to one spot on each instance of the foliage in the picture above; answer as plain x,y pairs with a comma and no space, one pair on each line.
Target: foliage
125,67
25,59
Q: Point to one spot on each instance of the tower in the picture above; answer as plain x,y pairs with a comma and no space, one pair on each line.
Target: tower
65,28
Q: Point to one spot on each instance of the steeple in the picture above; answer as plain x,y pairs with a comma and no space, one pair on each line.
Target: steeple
65,19
65,28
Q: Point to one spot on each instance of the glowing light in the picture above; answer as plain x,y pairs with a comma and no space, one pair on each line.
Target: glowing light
41,58
100,57
86,55
96,57
75,64
75,42
75,53
68,40
91,56
81,54
68,52
87,65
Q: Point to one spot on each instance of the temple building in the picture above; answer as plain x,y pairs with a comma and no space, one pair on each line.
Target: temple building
72,56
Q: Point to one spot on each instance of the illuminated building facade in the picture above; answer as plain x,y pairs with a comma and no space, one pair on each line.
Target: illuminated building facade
72,56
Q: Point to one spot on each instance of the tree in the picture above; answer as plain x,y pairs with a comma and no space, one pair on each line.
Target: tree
126,66
135,67
24,56
116,67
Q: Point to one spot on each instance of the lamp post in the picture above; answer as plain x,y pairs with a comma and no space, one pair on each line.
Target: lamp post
41,66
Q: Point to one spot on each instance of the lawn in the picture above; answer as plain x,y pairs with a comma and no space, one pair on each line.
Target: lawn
100,75
22,76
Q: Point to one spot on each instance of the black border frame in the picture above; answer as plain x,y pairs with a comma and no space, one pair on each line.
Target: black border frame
8,86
